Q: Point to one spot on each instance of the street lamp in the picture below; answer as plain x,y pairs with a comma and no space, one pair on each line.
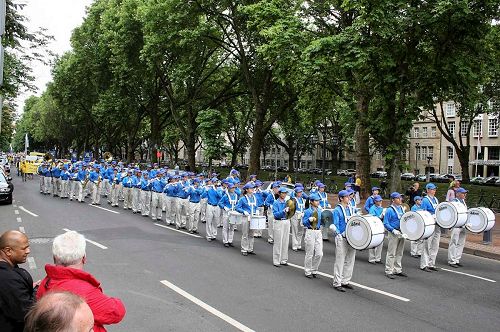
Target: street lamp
429,158
417,146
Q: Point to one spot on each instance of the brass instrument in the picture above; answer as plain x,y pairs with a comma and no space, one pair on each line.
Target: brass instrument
85,181
108,156
314,224
291,208
47,157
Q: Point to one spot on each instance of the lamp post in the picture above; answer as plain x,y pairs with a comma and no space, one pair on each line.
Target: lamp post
428,172
324,154
417,146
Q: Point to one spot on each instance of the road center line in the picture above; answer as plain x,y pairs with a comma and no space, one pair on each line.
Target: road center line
469,275
207,307
16,211
176,230
19,219
31,263
21,229
99,207
394,296
89,241
28,212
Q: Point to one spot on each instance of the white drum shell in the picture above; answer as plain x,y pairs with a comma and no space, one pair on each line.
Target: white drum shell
364,232
258,222
451,214
480,220
235,218
417,225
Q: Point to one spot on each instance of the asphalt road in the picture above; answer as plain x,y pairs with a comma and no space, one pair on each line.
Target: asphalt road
248,290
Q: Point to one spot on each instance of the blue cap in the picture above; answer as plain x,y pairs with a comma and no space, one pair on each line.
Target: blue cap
129,170
377,198
317,182
214,179
230,186
350,191
145,173
347,184
249,185
275,185
233,171
283,190
321,185
196,181
299,189
462,190
430,186
417,198
298,184
315,197
395,195
375,188
258,183
253,176
343,193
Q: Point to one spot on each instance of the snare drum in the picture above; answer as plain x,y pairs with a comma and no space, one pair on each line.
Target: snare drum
258,222
480,220
364,232
235,218
451,214
417,225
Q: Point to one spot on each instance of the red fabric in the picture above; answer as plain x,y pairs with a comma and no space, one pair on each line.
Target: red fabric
106,310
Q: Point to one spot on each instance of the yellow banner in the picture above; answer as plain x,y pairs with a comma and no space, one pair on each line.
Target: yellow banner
29,167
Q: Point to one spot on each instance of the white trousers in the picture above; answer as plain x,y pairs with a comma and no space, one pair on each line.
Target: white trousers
42,180
213,213
193,216
115,194
416,247
313,242
227,228
182,212
94,192
79,187
56,186
145,202
247,238
171,209
64,188
395,249
127,198
47,184
156,205
203,209
106,187
375,254
281,239
135,199
456,245
431,247
297,230
270,224
345,255
73,189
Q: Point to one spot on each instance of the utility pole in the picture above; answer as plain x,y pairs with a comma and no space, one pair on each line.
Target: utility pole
3,10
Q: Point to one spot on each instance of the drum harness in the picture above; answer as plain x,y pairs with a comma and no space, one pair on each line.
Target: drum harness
397,213
232,201
344,212
253,204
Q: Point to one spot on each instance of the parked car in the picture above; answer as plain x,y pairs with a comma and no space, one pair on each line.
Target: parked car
407,176
490,180
497,183
6,174
433,176
477,180
6,189
342,172
379,174
421,178
445,178
350,171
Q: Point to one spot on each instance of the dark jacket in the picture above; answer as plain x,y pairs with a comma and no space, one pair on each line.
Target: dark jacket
16,296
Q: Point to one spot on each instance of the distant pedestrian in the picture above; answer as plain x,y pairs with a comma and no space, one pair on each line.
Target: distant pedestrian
451,193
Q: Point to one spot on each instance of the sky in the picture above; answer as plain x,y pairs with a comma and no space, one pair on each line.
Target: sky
59,17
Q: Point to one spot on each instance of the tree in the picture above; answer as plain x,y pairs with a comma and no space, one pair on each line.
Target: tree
210,123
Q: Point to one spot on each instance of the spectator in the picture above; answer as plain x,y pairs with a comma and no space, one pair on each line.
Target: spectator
412,192
59,312
450,194
16,284
357,188
67,274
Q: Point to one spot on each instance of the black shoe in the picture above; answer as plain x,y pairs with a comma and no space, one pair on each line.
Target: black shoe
244,253
195,232
276,265
372,262
426,269
401,274
294,250
379,262
230,243
433,268
339,289
325,240
390,276
458,264
453,265
316,276
347,286
225,244
209,240
284,264
309,276
252,253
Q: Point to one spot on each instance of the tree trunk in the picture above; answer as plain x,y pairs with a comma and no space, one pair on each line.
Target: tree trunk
291,155
130,150
190,142
234,156
362,149
463,158
257,140
394,173
155,133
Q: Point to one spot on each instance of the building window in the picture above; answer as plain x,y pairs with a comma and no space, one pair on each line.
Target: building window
424,152
430,151
417,153
493,153
450,109
450,169
433,131
415,132
493,127
464,127
424,132
477,129
449,150
451,127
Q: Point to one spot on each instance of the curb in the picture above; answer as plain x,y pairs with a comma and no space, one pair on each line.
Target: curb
475,252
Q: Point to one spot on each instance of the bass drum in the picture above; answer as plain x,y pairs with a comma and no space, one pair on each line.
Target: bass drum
364,232
451,214
327,217
480,220
417,225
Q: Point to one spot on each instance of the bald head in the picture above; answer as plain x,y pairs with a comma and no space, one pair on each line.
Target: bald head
14,247
11,239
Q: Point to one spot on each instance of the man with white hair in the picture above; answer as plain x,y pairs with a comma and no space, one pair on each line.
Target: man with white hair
67,274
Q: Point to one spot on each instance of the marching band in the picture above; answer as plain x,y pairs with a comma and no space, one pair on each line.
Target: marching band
184,199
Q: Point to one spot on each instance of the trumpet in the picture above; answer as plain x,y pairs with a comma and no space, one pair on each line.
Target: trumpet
85,181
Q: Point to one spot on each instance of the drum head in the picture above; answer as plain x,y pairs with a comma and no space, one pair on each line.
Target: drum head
327,217
446,215
412,224
480,220
358,233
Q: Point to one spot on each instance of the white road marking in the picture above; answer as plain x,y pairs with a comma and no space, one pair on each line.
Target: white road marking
21,229
99,207
16,211
469,275
207,307
31,263
176,230
19,219
89,241
27,211
394,296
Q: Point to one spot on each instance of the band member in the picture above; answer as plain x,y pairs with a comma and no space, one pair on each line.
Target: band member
345,255
228,203
182,203
261,198
39,171
73,193
94,179
324,205
115,181
145,197
65,182
247,205
431,245
370,201
127,184
213,211
170,191
269,205
281,229
296,221
396,244
457,239
56,180
157,187
313,239
416,247
195,192
136,191
47,177
375,254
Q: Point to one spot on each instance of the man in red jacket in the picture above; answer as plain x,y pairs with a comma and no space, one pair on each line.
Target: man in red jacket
67,274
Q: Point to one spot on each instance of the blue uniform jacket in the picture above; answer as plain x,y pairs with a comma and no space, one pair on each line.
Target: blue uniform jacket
56,172
369,203
247,203
145,184
195,194
225,201
427,205
376,211
269,200
279,209
339,220
416,207
158,185
391,219
213,195
309,213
